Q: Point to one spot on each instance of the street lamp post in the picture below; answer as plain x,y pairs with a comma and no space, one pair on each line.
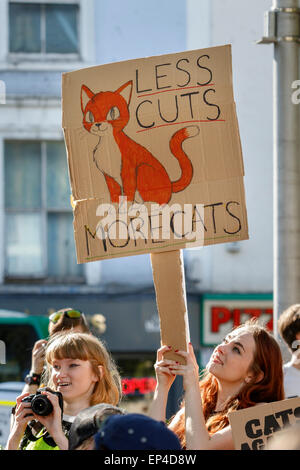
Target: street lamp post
282,28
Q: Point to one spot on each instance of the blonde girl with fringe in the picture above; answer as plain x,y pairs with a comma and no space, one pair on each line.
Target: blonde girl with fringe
82,370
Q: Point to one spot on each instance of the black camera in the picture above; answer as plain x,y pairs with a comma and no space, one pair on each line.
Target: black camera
40,403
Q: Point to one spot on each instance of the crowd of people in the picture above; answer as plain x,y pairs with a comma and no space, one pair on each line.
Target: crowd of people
72,396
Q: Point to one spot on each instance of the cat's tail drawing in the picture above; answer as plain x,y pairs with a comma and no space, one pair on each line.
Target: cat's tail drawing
185,163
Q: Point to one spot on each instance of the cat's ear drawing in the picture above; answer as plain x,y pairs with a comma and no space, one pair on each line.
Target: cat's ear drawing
86,95
126,91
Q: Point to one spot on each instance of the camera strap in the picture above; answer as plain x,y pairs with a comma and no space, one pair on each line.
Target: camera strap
33,437
33,433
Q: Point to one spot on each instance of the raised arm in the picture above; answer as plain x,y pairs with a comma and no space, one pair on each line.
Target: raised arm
37,364
164,378
197,436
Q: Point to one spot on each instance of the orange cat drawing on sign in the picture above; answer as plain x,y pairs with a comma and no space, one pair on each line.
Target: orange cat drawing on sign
135,169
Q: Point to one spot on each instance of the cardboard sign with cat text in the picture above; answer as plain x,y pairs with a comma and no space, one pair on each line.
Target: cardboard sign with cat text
253,427
154,154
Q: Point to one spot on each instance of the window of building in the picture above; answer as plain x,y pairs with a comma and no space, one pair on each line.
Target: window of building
39,239
43,27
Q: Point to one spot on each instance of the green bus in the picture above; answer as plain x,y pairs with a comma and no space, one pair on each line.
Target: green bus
18,333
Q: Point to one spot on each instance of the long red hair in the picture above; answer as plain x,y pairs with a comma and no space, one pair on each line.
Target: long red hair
267,359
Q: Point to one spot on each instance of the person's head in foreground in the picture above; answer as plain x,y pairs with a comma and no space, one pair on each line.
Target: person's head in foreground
286,439
289,326
87,423
80,367
135,432
246,368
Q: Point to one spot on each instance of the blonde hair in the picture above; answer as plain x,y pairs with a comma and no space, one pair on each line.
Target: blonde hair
87,347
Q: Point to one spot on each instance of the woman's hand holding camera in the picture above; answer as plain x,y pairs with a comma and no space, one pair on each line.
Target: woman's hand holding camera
53,422
23,414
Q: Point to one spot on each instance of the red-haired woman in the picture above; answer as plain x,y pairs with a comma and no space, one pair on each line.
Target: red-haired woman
243,371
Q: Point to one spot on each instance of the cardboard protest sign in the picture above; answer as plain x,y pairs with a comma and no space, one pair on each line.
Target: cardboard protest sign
154,154
155,165
169,281
253,427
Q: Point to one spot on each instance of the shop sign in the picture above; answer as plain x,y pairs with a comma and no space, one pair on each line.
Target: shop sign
219,316
138,386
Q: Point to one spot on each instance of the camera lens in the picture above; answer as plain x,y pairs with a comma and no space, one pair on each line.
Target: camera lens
41,405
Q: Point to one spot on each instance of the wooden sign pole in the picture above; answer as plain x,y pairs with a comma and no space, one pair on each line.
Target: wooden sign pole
169,282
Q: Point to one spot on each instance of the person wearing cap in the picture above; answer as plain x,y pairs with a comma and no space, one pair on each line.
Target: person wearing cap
87,423
134,431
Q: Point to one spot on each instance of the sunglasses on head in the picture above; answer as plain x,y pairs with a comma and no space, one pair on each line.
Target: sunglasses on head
54,317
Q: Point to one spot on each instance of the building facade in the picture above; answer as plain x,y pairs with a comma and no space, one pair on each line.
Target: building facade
40,40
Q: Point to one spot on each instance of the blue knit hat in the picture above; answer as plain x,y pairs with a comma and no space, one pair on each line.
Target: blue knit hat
135,432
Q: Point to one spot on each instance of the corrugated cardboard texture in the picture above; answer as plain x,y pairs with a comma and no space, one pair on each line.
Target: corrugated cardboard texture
168,276
160,130
253,427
